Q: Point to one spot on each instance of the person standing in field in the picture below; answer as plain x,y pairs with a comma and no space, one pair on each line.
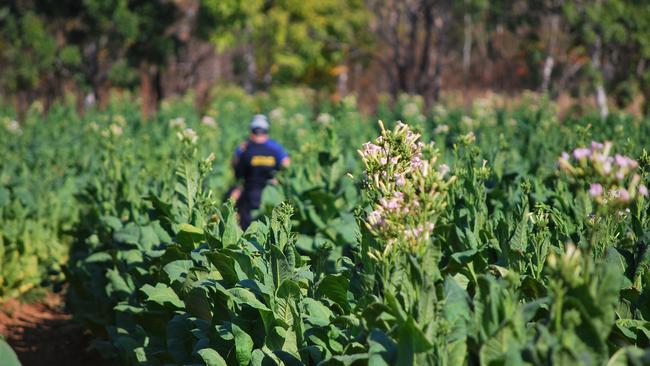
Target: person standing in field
255,163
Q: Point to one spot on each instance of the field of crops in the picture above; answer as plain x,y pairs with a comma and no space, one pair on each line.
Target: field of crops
490,237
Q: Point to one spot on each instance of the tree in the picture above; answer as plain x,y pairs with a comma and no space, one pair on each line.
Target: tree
30,55
412,36
98,43
471,10
600,28
288,41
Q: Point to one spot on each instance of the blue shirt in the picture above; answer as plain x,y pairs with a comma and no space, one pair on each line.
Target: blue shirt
257,163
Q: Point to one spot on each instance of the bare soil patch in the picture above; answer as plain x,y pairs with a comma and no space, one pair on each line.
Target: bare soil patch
42,333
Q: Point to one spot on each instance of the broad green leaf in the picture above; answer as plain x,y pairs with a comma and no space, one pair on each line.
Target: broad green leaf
243,345
189,237
117,287
382,351
411,340
456,309
230,229
162,295
177,270
211,357
7,355
243,296
177,333
456,352
198,303
335,287
497,347
317,313
519,240
225,265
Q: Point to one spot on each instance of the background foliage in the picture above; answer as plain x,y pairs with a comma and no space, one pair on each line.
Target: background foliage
563,47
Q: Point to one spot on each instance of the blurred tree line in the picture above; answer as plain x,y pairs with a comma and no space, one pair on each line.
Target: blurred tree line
596,48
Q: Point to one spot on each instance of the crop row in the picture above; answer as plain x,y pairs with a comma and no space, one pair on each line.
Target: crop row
488,247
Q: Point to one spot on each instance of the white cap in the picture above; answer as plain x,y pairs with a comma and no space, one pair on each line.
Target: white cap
259,121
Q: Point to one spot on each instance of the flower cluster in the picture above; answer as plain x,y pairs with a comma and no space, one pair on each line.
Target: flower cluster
115,129
276,114
441,129
407,190
568,265
411,106
177,123
612,180
469,123
93,126
208,121
188,135
324,118
13,126
298,118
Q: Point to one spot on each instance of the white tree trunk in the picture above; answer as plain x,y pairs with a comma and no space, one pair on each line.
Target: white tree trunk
601,95
249,60
549,63
342,82
467,44
601,99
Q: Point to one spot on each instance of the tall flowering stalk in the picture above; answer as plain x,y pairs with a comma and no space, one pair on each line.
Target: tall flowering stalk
408,191
611,182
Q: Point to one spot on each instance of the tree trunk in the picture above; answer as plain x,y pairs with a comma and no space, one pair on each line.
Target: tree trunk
440,24
425,57
601,95
79,100
467,53
103,93
549,62
249,59
601,99
148,88
20,103
342,81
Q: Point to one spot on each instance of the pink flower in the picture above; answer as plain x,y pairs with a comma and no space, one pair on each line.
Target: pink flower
607,167
400,180
391,204
369,148
596,145
643,190
581,152
625,162
374,218
595,190
602,158
416,162
620,175
624,195
621,161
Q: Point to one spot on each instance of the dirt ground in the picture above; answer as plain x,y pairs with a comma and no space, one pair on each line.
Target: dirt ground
42,333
